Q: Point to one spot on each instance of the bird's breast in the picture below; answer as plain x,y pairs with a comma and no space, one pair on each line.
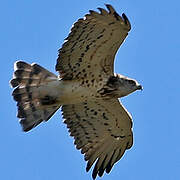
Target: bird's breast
72,92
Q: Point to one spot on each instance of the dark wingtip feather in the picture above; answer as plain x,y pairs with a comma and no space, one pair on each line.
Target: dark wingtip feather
101,10
110,8
108,167
88,167
101,168
91,11
126,20
101,171
107,5
95,172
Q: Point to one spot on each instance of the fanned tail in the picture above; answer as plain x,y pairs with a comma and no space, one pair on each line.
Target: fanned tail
30,83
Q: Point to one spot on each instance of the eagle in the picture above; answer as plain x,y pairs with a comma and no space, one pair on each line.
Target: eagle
86,89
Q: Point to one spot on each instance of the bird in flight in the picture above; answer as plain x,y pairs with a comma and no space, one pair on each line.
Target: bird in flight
87,90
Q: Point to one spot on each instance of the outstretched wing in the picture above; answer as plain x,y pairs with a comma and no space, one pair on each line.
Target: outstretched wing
102,130
90,48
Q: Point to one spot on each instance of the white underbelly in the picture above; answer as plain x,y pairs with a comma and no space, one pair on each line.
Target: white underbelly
71,92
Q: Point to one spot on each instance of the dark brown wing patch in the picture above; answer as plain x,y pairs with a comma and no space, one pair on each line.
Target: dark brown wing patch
102,130
92,44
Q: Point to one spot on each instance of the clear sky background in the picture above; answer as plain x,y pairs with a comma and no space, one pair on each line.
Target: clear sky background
34,30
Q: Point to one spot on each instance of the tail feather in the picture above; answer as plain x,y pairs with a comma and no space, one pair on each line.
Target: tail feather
32,104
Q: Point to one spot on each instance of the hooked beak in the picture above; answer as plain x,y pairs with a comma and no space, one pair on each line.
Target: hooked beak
139,87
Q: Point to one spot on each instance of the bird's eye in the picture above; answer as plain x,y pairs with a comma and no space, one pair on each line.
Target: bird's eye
132,82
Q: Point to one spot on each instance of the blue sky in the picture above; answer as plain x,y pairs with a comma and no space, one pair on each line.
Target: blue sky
34,30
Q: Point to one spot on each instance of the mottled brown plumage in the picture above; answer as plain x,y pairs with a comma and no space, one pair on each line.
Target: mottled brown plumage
87,89
92,44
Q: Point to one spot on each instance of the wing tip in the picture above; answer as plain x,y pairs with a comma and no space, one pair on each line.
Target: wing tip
110,8
126,21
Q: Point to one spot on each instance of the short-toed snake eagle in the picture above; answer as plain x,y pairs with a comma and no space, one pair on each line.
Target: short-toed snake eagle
87,89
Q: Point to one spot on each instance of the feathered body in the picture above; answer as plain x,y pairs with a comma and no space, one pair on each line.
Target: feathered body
87,89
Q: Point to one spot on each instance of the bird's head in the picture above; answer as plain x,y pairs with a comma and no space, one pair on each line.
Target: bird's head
123,85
